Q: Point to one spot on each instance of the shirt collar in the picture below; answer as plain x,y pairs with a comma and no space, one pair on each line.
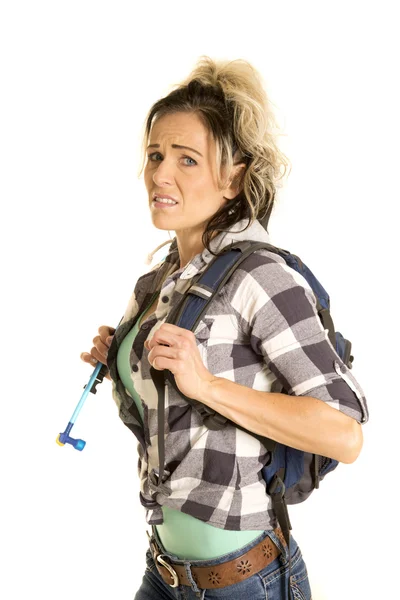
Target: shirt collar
254,231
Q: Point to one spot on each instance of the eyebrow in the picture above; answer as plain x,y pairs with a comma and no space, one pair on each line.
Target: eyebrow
176,146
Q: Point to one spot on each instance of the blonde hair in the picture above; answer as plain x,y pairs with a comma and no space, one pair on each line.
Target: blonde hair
230,99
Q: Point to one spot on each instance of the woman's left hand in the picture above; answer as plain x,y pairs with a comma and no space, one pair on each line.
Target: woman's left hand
182,357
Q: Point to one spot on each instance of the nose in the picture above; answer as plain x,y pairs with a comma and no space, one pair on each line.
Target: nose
164,173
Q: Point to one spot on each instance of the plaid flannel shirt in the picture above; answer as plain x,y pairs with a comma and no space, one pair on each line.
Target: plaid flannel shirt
263,326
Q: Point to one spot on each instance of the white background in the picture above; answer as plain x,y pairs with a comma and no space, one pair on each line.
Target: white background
77,79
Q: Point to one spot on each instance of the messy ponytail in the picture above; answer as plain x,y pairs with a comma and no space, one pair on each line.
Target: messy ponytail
230,99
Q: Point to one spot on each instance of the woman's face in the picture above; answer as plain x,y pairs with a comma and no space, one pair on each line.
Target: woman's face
187,175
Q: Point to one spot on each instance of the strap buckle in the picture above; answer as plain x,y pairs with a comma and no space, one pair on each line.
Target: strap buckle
171,571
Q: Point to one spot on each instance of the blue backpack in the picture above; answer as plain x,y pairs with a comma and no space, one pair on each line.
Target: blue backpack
291,475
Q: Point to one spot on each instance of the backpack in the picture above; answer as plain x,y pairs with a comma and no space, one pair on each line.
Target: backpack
291,475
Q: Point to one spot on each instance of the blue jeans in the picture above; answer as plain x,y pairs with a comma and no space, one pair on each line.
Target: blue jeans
271,583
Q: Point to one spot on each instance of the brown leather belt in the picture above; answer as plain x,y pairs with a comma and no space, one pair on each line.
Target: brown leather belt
221,575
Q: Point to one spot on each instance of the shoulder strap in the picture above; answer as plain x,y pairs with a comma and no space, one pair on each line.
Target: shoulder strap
196,300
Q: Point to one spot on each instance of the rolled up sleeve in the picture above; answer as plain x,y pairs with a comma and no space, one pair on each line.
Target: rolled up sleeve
282,321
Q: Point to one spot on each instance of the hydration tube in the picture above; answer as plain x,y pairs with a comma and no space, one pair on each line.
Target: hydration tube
97,377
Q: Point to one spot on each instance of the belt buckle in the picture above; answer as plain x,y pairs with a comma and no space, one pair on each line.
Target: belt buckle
155,552
171,571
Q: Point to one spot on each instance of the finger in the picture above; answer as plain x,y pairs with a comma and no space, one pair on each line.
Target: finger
163,337
101,347
161,362
149,344
175,330
163,352
105,332
86,357
98,356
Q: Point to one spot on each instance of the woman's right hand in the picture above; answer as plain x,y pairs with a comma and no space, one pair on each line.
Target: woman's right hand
99,351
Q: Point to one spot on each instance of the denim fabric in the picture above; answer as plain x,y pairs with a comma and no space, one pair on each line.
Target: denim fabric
268,584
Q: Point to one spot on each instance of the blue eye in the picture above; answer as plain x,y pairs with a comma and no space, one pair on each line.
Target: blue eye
188,157
184,157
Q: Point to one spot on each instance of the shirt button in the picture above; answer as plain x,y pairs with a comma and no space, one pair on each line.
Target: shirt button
135,368
165,298
145,326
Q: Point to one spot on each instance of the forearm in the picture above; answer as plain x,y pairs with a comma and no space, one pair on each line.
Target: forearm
302,422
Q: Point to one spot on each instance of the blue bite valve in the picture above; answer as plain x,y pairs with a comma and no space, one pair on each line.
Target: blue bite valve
96,378
79,444
65,438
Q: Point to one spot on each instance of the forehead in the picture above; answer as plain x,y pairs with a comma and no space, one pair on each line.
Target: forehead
180,128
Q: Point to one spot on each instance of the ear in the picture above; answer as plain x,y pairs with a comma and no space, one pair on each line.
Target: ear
235,181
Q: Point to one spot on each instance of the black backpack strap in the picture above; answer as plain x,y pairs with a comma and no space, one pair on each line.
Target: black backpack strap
276,490
158,378
316,471
327,322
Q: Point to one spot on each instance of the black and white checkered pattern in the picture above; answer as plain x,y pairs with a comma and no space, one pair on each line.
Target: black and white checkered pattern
261,327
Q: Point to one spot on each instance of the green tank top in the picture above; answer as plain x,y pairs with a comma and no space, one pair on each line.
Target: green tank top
201,541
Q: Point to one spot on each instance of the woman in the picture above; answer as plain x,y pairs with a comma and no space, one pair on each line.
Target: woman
211,176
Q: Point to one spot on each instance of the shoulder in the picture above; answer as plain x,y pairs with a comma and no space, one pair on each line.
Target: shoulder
266,273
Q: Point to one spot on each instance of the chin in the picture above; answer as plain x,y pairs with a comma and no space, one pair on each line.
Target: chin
162,224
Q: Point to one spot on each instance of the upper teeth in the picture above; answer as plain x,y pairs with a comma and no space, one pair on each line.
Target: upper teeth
166,200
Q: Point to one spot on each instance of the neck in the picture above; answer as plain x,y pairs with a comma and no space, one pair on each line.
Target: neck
189,245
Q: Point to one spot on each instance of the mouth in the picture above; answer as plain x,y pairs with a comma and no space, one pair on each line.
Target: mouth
162,205
163,202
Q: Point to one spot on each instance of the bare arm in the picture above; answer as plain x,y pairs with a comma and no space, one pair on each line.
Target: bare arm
302,422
